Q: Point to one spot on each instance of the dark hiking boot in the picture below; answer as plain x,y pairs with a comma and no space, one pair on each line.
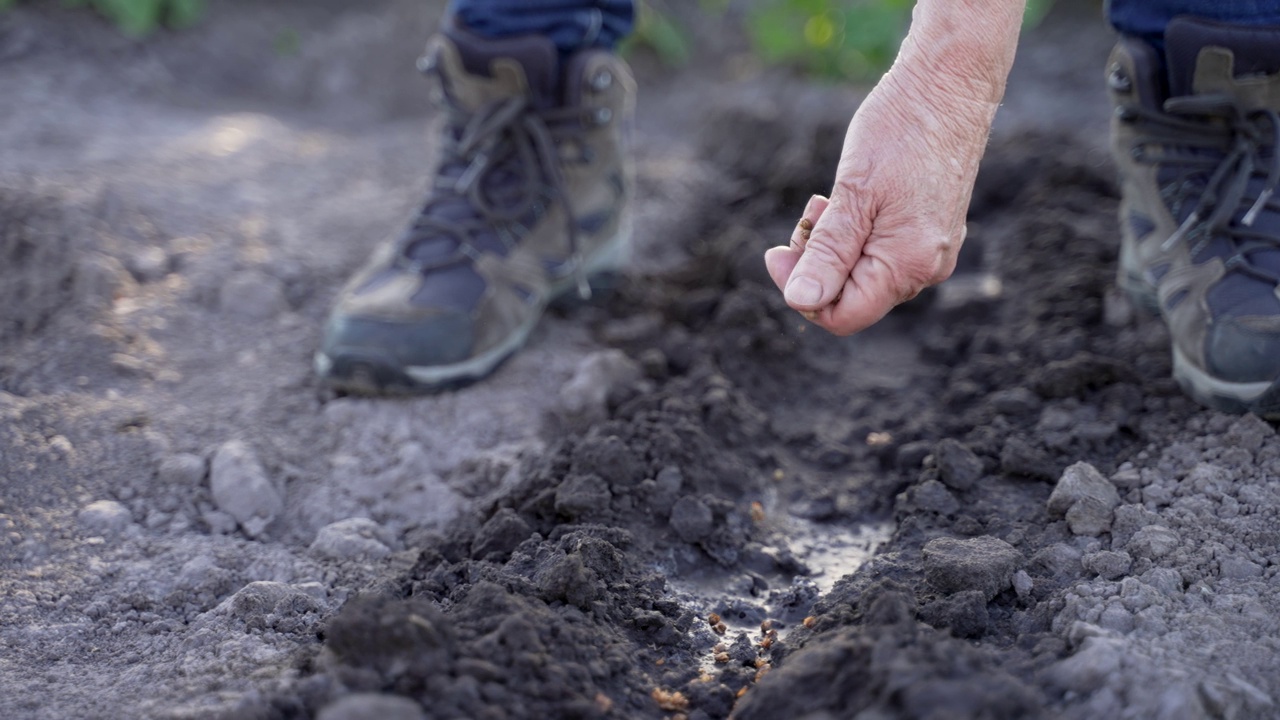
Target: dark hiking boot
1197,152
527,205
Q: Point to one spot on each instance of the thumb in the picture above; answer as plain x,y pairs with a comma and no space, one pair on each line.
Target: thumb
829,256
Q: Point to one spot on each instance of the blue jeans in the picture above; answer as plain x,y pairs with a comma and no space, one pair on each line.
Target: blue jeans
571,24
1146,19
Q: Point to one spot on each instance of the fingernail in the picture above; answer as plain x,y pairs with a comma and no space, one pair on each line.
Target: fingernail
803,291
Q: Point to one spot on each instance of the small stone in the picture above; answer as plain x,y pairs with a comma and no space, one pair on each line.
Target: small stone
501,534
958,467
583,495
1023,584
1019,457
182,470
255,601
252,294
1116,618
363,706
982,563
1097,661
1015,401
933,496
104,517
1153,542
1238,568
691,519
219,523
149,264
352,539
1249,432
911,455
1085,498
1107,564
1060,560
598,375
241,488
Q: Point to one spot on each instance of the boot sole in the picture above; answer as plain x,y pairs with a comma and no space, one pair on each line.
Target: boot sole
363,372
1260,398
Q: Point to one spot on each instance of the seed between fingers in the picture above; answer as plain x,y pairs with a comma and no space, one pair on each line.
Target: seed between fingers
806,225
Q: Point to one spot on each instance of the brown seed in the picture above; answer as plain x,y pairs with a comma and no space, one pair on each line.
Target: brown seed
760,662
767,643
879,439
763,671
719,628
668,700
603,702
757,512
713,619
722,658
742,692
661,661
806,224
719,648
766,626
809,621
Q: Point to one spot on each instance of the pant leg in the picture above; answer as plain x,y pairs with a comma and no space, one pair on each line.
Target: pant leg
572,24
1146,19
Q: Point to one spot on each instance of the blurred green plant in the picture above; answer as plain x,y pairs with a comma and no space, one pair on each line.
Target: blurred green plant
139,17
853,39
848,39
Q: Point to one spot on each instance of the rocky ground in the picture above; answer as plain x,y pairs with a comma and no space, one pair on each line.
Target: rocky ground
679,502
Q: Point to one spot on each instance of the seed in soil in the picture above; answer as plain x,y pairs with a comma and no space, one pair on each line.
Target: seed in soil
670,701
879,439
809,621
757,512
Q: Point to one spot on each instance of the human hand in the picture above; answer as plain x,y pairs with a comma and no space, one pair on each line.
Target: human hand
896,216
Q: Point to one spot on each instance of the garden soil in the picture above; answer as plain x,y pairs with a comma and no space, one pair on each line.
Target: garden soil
680,501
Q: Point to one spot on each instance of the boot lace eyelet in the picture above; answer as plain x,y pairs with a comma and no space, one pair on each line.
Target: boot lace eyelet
601,81
1118,80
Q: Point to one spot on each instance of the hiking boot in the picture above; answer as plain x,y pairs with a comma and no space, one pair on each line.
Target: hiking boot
526,206
1197,152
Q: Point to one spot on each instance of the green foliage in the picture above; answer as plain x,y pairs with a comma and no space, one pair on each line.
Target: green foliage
855,39
139,17
830,38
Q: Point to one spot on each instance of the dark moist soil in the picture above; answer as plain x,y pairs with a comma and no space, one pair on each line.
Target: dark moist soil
560,597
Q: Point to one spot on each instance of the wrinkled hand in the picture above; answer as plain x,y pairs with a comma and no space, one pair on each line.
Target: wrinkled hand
896,216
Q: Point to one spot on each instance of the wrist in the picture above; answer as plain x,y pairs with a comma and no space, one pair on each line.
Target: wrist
962,49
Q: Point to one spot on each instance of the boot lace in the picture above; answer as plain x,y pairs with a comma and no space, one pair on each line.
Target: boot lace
499,169
1217,148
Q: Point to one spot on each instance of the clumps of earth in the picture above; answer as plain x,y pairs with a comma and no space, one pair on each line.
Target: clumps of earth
1071,538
